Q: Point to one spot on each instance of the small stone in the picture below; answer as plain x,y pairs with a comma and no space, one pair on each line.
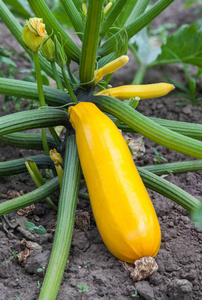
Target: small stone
145,290
5,269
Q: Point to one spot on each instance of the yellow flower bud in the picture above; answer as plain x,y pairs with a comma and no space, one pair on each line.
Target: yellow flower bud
144,91
34,34
84,8
110,67
48,50
55,156
107,7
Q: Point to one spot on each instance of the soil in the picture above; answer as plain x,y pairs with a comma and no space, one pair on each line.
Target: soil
179,260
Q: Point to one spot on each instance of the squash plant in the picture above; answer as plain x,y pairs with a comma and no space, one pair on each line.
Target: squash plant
52,50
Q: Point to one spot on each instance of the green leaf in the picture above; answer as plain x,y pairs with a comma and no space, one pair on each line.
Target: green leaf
186,44
147,52
40,230
8,61
29,225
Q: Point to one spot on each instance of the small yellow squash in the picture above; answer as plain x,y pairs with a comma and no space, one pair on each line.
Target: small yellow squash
123,211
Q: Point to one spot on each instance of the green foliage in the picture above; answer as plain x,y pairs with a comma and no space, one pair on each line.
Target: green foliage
188,49
82,288
14,253
35,229
158,157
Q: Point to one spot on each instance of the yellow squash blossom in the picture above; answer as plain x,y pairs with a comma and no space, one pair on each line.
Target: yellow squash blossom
34,33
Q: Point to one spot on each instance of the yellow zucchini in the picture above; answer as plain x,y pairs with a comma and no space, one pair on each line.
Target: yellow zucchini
123,211
143,91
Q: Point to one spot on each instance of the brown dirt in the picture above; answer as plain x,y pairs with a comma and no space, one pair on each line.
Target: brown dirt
179,275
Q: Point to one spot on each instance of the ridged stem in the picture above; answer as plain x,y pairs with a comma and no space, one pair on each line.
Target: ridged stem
169,190
27,140
41,10
65,223
90,42
74,17
39,118
148,128
35,196
174,168
28,90
142,21
138,9
115,11
17,166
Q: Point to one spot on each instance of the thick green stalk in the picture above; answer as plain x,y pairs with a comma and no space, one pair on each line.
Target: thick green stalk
138,9
39,118
174,168
114,13
35,196
192,130
27,140
17,166
28,90
74,17
56,76
41,10
90,42
169,190
65,223
68,86
148,128
142,21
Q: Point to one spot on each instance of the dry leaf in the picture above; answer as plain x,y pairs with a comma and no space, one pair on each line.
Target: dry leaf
26,211
29,248
136,145
11,194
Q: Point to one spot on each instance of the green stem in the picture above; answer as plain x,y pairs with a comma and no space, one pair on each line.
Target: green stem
115,11
74,17
27,140
56,76
38,118
169,190
35,196
90,42
68,86
174,168
42,102
65,223
28,90
138,9
148,128
142,21
17,166
139,75
55,136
